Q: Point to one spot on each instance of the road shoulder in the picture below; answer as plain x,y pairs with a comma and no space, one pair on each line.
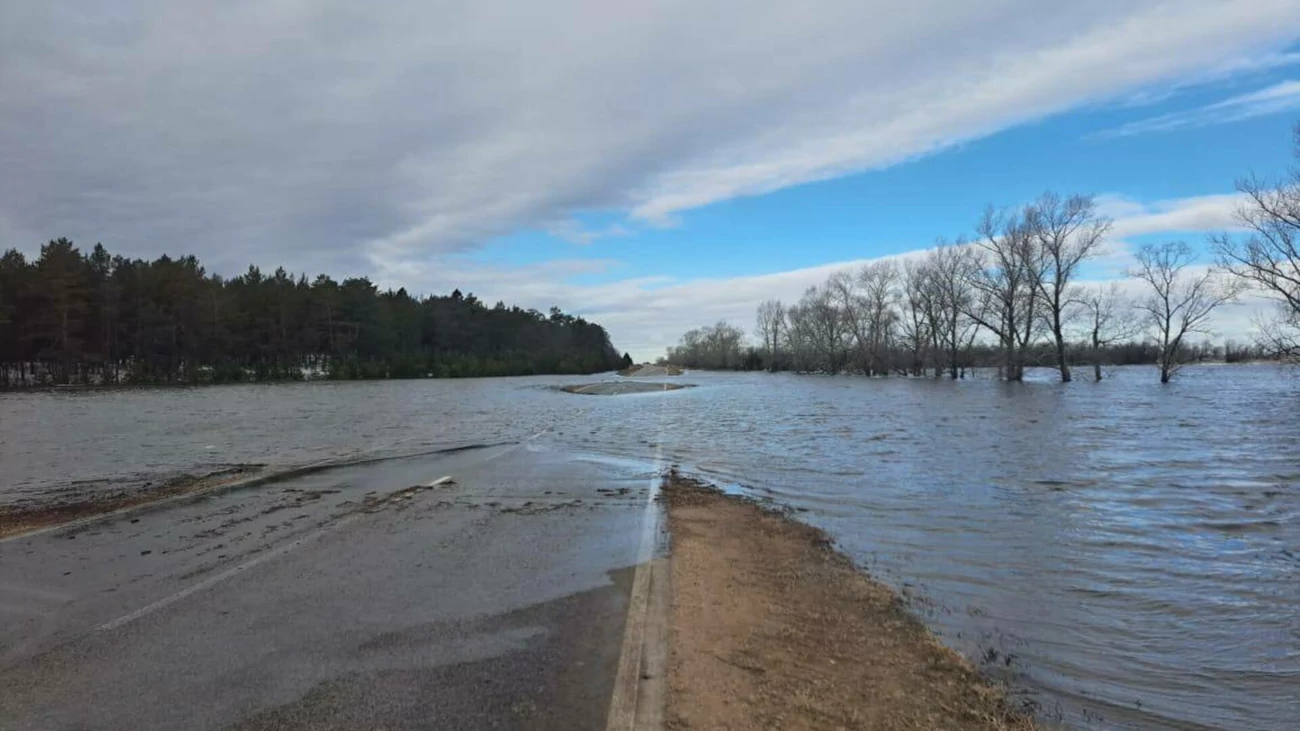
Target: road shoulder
772,628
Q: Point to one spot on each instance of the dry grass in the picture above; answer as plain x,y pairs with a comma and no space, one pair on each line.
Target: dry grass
773,629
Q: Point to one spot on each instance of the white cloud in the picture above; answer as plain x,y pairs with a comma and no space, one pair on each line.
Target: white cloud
1206,213
575,233
326,134
646,313
1228,68
1281,97
1186,218
1251,64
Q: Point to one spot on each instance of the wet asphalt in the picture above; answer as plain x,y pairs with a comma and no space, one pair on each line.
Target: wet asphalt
350,598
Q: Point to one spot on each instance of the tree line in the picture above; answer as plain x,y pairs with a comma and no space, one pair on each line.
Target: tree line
73,318
723,346
1010,296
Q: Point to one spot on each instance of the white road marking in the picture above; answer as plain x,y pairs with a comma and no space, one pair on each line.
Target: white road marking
623,706
212,581
30,600
23,611
36,591
652,690
234,570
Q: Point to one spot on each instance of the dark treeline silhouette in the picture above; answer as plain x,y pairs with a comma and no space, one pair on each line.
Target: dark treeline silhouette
74,318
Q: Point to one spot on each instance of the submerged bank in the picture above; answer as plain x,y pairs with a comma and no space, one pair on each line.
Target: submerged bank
618,388
773,628
76,504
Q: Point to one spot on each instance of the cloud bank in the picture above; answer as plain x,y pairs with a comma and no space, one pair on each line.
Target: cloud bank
328,136
335,137
646,314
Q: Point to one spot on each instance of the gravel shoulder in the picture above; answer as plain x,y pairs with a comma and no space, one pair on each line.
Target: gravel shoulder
772,628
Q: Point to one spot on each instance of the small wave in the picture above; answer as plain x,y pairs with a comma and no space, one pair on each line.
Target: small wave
1240,526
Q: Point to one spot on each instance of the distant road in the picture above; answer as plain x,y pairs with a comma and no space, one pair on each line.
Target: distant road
349,598
650,371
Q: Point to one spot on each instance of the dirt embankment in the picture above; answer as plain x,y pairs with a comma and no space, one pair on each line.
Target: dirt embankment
651,371
618,388
773,629
78,504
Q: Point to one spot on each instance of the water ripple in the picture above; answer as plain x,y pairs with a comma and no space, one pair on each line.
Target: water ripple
1126,554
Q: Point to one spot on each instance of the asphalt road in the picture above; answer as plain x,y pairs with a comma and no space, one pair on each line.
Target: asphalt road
340,599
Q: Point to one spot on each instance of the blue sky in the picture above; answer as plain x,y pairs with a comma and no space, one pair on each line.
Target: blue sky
904,207
653,166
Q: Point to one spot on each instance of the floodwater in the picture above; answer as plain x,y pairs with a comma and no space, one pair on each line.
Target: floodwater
1125,554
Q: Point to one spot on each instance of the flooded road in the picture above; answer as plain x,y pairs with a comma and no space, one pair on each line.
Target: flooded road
1125,554
336,600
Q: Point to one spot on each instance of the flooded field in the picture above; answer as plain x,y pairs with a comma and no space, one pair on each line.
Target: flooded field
1125,554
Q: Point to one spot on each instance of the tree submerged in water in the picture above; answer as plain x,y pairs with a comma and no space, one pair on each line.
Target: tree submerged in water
69,317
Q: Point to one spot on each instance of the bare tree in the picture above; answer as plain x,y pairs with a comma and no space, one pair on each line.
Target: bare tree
937,316
1108,318
1180,301
688,350
827,327
842,292
724,342
951,270
798,338
1066,232
717,346
914,324
878,284
771,323
1279,336
1268,257
1009,270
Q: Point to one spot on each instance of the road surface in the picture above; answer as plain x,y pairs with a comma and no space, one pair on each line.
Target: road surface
339,599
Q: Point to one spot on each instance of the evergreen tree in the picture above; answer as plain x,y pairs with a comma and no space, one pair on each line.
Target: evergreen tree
60,293
97,318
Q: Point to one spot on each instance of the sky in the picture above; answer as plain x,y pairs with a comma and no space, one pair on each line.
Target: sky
652,166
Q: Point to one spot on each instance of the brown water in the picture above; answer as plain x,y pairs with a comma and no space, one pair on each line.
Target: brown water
1127,555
